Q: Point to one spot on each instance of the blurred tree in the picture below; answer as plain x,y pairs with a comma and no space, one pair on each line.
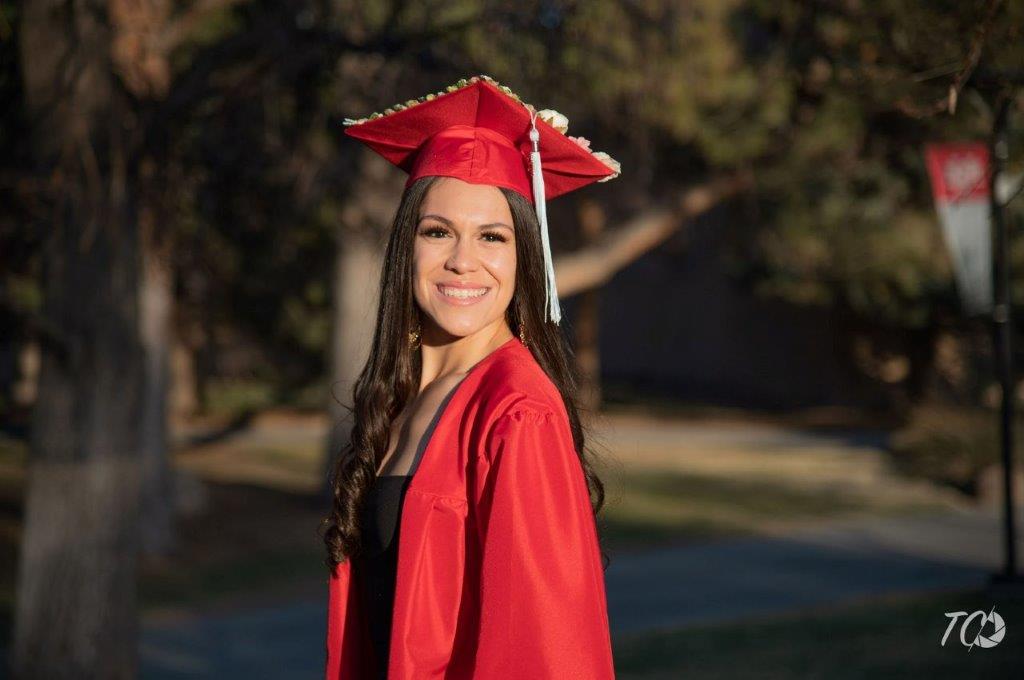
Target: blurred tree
98,431
19,247
75,617
827,104
843,215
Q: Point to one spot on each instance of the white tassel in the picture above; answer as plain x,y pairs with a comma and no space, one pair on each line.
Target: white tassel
552,309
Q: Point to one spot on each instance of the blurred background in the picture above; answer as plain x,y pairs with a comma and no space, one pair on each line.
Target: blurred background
796,420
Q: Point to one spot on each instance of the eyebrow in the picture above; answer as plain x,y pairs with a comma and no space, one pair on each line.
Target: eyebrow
448,222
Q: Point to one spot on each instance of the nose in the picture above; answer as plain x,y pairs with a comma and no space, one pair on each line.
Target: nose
463,256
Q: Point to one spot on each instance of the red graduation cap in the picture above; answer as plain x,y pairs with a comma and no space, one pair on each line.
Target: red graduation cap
482,133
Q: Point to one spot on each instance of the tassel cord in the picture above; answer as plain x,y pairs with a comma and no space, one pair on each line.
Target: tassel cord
552,308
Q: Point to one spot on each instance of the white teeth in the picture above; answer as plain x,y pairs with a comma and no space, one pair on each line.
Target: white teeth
463,292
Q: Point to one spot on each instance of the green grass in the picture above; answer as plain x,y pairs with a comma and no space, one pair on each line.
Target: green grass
233,396
895,638
257,574
649,508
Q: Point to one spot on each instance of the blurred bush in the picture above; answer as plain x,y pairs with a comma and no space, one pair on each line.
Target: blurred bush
955,446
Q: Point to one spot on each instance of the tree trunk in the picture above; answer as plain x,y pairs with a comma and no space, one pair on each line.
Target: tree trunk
366,220
76,597
76,610
588,320
156,302
184,399
355,293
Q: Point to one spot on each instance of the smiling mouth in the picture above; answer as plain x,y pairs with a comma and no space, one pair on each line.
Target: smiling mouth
462,293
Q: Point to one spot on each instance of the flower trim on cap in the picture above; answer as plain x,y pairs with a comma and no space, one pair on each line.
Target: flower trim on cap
553,118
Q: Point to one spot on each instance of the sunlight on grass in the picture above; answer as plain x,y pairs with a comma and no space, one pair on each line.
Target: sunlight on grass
671,506
679,481
296,467
225,395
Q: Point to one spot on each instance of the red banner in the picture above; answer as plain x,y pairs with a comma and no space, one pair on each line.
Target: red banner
959,171
960,176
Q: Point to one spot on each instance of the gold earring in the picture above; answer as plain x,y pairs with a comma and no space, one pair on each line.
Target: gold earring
414,337
522,333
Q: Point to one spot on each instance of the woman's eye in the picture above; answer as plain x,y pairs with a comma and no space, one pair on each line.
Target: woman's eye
441,232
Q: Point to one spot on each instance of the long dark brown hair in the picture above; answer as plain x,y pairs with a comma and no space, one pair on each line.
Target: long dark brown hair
391,376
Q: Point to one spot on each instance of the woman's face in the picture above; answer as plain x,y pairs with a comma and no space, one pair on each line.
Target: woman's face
464,259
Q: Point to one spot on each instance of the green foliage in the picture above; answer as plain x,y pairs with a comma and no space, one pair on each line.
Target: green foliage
813,97
20,284
850,220
817,98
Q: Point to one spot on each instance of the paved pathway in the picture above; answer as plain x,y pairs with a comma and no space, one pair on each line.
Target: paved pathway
837,562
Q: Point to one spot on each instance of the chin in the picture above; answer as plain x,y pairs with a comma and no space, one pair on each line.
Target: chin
459,328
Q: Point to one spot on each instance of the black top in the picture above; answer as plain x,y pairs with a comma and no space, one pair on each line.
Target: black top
380,522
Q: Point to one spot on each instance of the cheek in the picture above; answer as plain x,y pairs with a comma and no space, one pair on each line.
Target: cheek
502,265
421,271
425,261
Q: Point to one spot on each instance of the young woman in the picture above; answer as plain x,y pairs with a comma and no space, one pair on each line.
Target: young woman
462,540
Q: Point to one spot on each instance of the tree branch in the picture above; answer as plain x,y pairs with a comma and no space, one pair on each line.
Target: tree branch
948,103
180,29
592,266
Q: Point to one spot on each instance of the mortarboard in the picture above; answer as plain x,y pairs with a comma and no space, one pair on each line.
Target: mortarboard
483,133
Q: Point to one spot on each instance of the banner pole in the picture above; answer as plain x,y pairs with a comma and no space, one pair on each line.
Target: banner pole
1002,327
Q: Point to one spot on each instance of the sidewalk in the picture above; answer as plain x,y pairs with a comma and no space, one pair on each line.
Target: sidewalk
833,563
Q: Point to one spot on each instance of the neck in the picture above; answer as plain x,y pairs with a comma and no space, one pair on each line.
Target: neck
456,355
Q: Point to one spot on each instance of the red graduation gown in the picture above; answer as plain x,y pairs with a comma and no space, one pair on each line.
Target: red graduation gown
499,570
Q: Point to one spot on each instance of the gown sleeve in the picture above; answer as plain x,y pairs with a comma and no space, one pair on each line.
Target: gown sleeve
543,611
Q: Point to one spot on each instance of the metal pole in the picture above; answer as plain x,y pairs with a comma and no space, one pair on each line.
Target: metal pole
1003,337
